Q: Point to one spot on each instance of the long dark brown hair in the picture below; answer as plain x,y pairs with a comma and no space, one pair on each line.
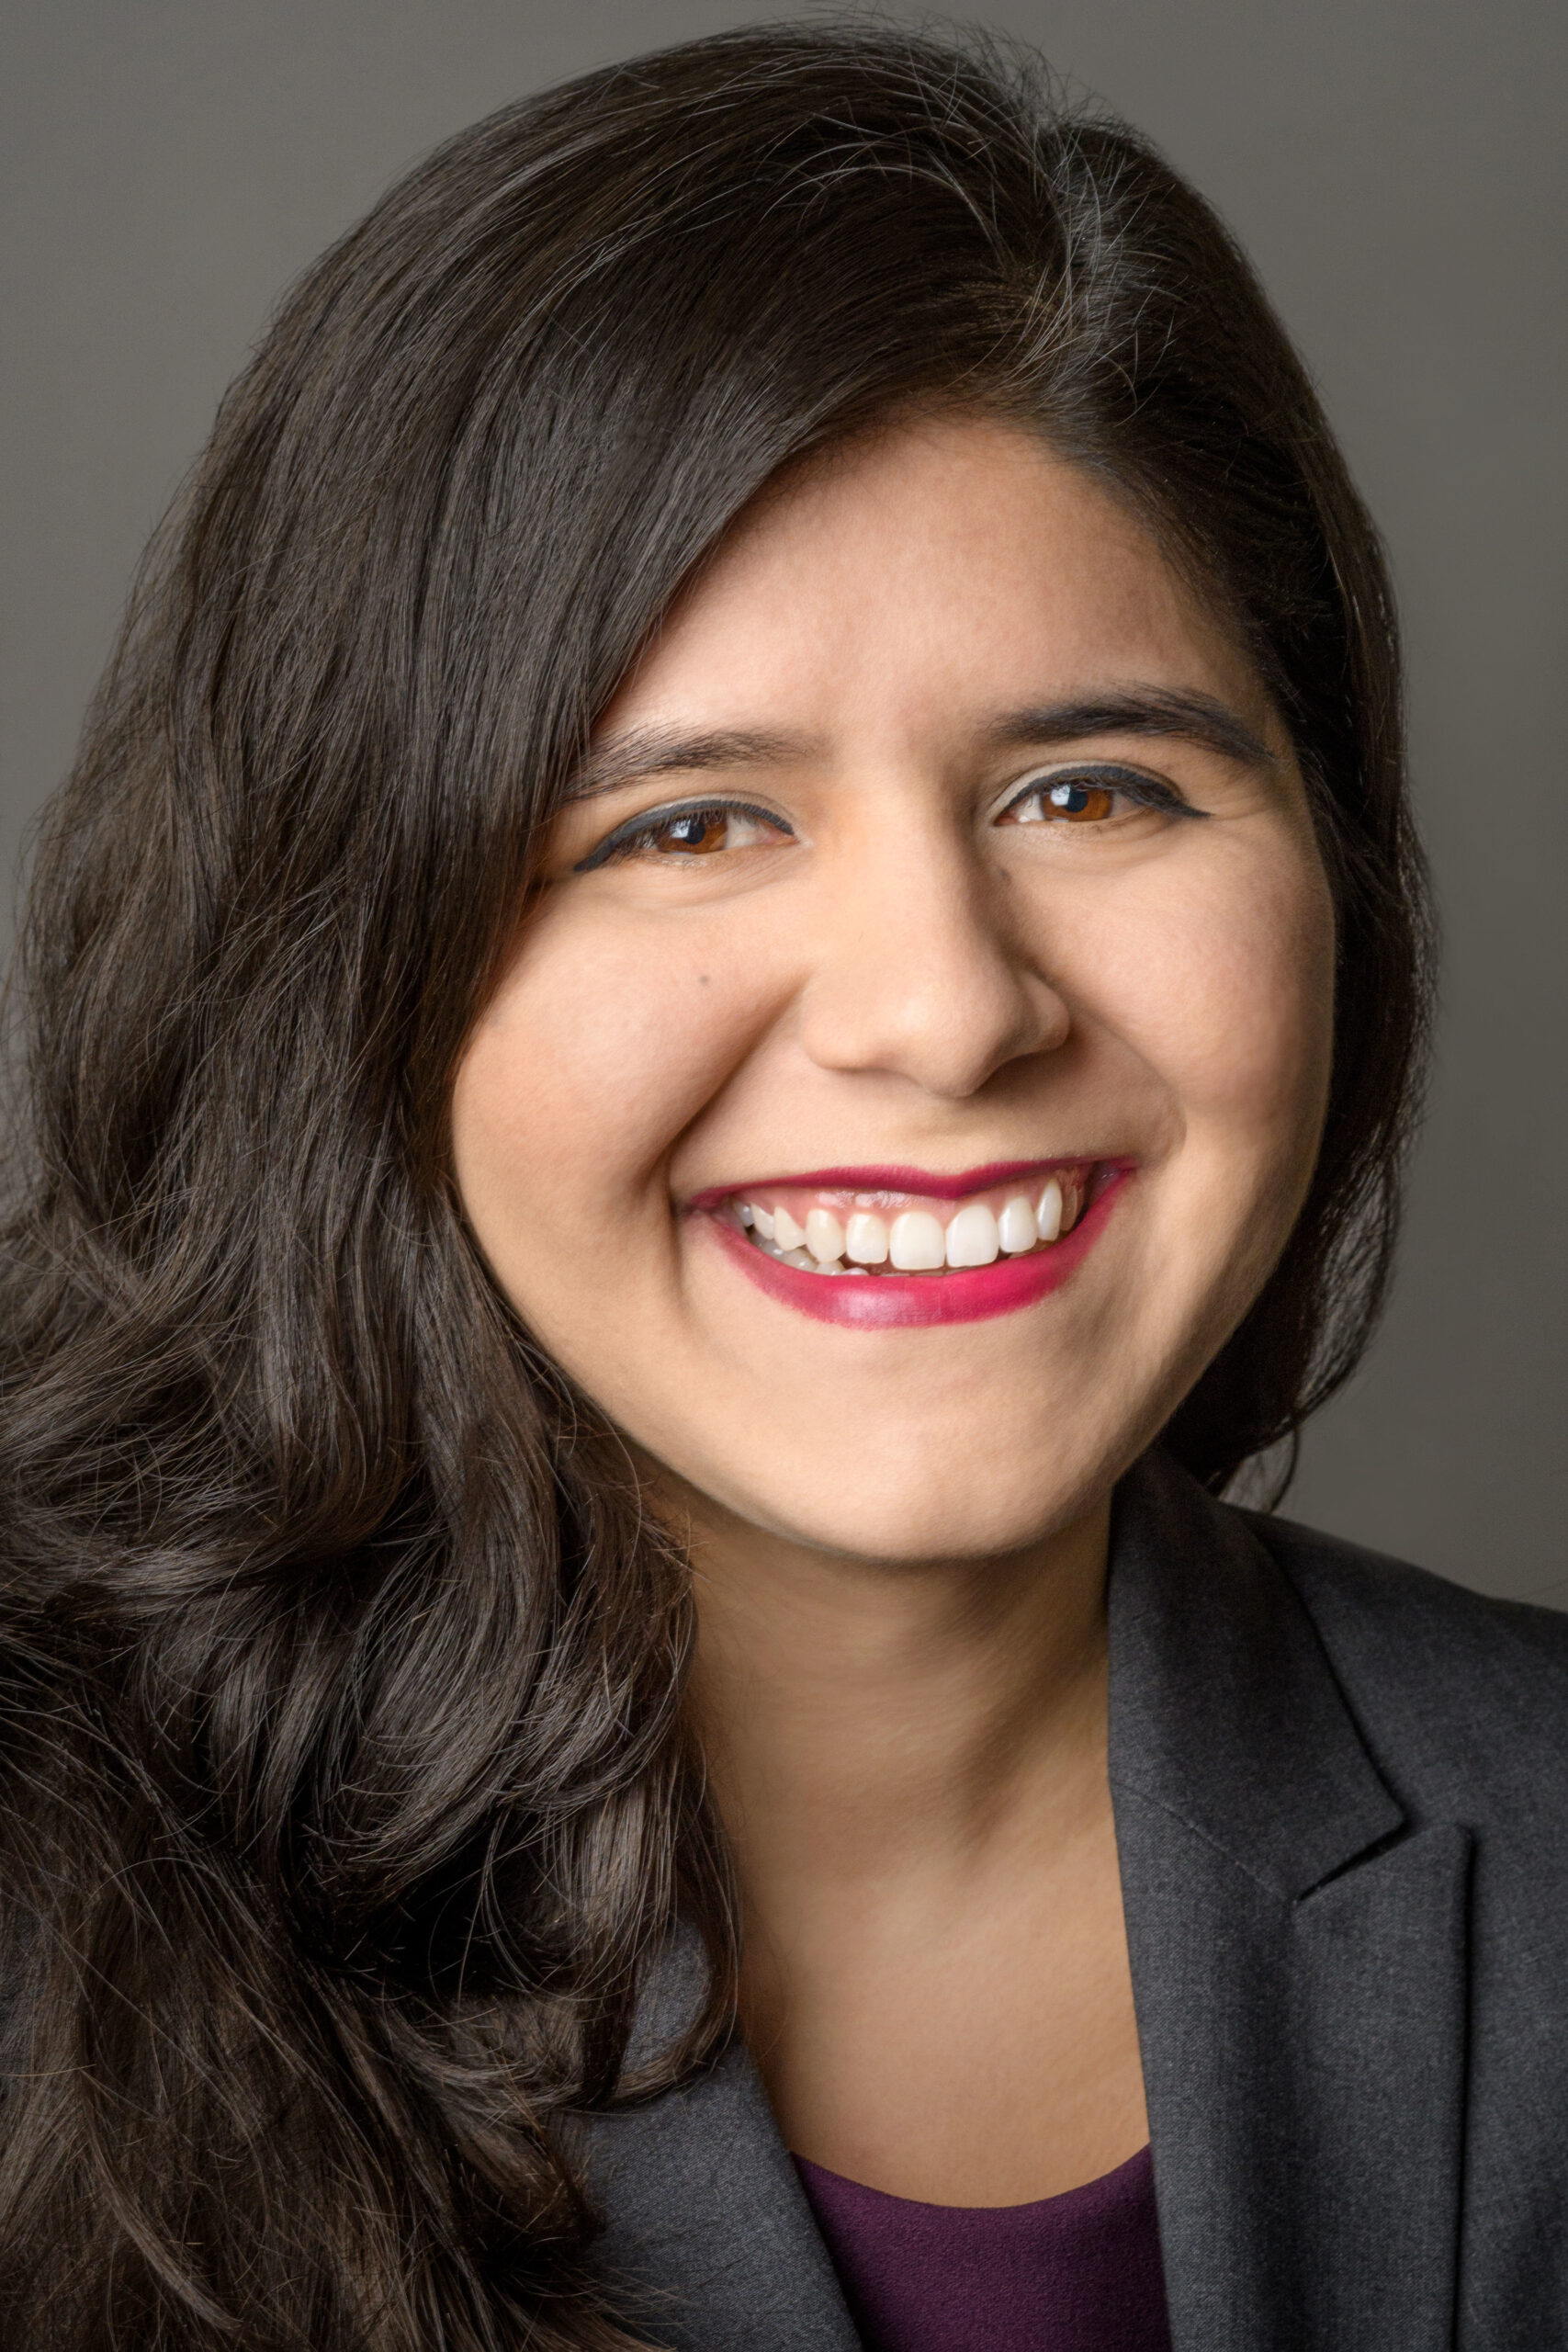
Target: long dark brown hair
345,1787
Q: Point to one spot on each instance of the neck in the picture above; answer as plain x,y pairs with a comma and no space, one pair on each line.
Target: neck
862,1720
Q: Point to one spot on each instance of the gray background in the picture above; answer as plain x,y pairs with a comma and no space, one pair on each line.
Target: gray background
1396,167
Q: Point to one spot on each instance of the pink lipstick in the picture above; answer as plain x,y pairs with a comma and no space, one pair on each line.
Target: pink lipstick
880,1296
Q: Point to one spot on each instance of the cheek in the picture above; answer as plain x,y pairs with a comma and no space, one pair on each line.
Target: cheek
600,1046
1224,985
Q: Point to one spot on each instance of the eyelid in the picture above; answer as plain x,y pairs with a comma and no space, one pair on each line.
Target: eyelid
1152,791
649,821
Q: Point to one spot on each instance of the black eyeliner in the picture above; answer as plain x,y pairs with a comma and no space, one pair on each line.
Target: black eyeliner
636,828
1151,791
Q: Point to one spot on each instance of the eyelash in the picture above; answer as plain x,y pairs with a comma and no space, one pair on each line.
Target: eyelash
1145,791
643,832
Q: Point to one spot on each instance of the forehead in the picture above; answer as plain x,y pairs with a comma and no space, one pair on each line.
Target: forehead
925,576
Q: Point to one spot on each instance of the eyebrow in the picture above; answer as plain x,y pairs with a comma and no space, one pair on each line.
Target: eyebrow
1176,713
659,750
1173,713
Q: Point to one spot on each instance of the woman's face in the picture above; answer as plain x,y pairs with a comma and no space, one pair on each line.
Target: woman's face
942,878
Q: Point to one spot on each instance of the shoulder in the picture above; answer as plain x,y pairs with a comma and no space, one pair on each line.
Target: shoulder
1454,1687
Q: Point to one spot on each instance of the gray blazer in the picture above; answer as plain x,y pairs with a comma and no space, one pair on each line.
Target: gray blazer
1341,1798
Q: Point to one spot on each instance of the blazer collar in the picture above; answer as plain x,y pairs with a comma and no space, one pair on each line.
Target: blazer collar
1223,1709
709,2244
1299,1956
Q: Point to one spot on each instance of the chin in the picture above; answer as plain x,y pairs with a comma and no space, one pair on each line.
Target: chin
959,1512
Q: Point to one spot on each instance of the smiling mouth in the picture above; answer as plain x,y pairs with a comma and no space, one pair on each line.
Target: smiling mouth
863,1224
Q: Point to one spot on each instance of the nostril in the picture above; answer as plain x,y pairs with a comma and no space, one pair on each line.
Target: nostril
947,1022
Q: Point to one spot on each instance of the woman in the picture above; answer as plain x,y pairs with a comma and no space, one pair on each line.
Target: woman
723,1014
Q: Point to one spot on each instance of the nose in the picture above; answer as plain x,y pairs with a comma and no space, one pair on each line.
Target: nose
922,970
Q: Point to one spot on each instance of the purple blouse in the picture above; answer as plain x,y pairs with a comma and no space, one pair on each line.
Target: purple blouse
1076,2273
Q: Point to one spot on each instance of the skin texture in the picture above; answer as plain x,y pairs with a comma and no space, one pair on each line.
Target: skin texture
899,1536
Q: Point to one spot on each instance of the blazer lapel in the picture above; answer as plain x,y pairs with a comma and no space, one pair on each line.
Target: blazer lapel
1298,1952
710,2244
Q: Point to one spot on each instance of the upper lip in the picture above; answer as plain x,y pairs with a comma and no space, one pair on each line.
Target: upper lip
933,1184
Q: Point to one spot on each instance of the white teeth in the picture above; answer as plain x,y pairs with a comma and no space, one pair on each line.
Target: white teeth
786,1233
824,1236
866,1240
972,1237
917,1243
1016,1228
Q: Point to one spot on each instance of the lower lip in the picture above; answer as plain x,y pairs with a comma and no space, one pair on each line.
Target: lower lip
900,1302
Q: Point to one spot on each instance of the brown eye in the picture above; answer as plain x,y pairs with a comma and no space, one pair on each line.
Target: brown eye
1079,804
696,835
681,834
1073,800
